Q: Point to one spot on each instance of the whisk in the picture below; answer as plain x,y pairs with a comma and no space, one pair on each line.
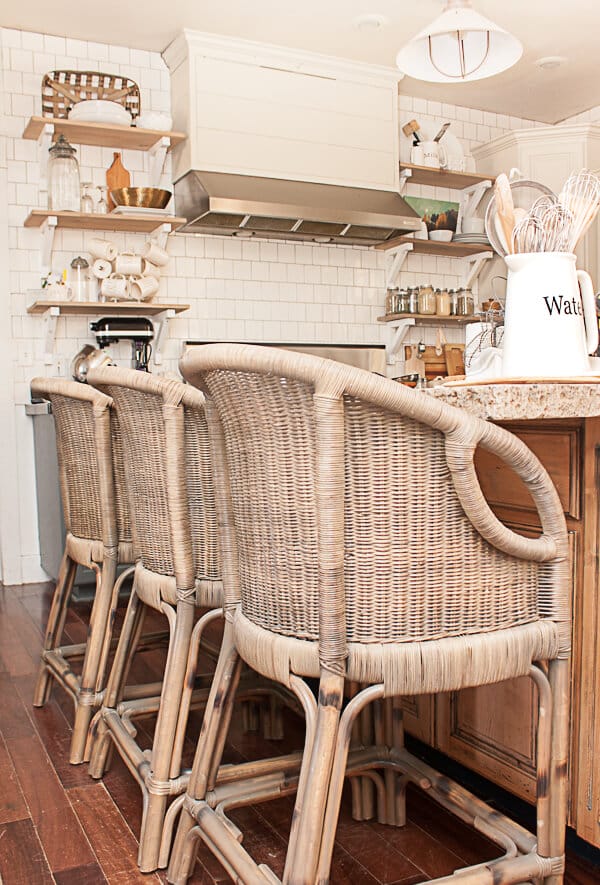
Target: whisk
555,220
580,196
528,235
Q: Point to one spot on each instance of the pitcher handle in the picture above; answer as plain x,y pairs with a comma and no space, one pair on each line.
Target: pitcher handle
589,310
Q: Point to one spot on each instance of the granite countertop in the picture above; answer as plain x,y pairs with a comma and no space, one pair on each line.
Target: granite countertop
516,402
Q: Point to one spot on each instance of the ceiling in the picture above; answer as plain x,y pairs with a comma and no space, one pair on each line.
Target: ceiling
566,28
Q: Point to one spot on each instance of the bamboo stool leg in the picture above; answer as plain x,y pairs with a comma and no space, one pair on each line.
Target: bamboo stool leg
334,797
55,625
181,623
306,845
91,678
206,759
559,679
100,741
366,784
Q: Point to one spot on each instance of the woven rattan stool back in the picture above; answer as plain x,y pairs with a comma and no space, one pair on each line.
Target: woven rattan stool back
167,543
342,477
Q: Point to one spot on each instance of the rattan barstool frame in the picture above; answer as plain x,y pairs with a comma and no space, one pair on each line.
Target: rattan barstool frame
435,631
97,537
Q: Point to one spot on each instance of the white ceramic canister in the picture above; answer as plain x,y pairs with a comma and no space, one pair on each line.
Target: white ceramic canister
115,286
550,324
154,253
99,248
144,288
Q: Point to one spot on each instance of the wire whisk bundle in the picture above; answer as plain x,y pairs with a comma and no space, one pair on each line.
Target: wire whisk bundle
552,223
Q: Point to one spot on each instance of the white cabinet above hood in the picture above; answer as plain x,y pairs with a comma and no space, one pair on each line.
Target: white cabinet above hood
296,139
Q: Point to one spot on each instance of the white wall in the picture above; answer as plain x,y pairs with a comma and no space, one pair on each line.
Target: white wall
237,290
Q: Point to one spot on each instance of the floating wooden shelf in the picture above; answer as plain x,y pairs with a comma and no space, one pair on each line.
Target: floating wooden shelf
116,308
443,177
93,221
102,134
428,320
429,247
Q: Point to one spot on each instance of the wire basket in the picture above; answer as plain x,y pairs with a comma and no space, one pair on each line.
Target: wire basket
63,89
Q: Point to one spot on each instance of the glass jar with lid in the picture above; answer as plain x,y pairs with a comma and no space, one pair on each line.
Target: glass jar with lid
442,302
426,300
452,297
64,193
413,299
465,304
403,301
391,300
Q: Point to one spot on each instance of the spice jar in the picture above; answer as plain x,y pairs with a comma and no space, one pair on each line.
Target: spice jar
63,177
465,305
426,300
442,303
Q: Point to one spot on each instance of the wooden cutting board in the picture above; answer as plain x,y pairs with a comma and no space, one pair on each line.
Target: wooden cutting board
116,176
429,364
454,355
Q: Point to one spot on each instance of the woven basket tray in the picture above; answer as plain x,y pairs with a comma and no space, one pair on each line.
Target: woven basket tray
63,89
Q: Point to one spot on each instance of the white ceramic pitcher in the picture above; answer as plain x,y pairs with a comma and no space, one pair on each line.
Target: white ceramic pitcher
550,324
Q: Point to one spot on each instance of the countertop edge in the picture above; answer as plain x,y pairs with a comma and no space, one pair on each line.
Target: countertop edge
524,402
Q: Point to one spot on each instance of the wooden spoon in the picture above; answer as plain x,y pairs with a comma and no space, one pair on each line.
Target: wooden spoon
505,208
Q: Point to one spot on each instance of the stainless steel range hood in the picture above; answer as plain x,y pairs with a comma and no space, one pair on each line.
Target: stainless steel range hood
247,205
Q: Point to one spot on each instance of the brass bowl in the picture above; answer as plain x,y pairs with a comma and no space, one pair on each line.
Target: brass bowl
141,197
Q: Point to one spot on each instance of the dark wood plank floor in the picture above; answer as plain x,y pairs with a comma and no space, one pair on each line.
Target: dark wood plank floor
59,826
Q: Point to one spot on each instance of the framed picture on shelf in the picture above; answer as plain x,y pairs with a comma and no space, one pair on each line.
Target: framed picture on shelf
437,214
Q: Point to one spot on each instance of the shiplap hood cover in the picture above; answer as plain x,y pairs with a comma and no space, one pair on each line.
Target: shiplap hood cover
285,144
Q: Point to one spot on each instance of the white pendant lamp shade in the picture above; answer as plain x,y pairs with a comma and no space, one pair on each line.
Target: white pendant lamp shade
460,45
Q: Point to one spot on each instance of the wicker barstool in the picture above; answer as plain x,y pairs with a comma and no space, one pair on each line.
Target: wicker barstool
175,534
98,537
357,545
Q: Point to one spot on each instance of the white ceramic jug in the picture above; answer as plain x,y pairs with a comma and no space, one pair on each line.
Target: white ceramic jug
550,326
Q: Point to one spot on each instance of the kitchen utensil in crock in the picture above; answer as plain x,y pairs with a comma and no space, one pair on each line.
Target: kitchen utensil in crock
580,195
442,132
519,188
505,208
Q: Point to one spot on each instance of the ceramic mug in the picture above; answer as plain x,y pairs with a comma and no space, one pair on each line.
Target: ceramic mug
144,288
101,268
115,286
99,248
128,263
151,270
155,254
434,155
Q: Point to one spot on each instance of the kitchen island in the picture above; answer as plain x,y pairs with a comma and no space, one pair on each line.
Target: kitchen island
491,729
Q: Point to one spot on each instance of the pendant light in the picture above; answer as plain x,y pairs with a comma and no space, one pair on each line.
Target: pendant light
460,45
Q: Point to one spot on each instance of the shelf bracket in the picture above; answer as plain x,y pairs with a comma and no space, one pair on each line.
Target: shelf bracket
474,266
44,141
50,319
161,336
397,332
48,229
158,153
470,198
161,235
398,257
405,174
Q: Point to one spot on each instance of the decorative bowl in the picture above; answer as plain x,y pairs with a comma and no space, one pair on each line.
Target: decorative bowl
141,197
97,110
440,236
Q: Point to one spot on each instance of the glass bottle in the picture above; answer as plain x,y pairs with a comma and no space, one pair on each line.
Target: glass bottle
64,193
87,196
426,301
453,306
442,302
